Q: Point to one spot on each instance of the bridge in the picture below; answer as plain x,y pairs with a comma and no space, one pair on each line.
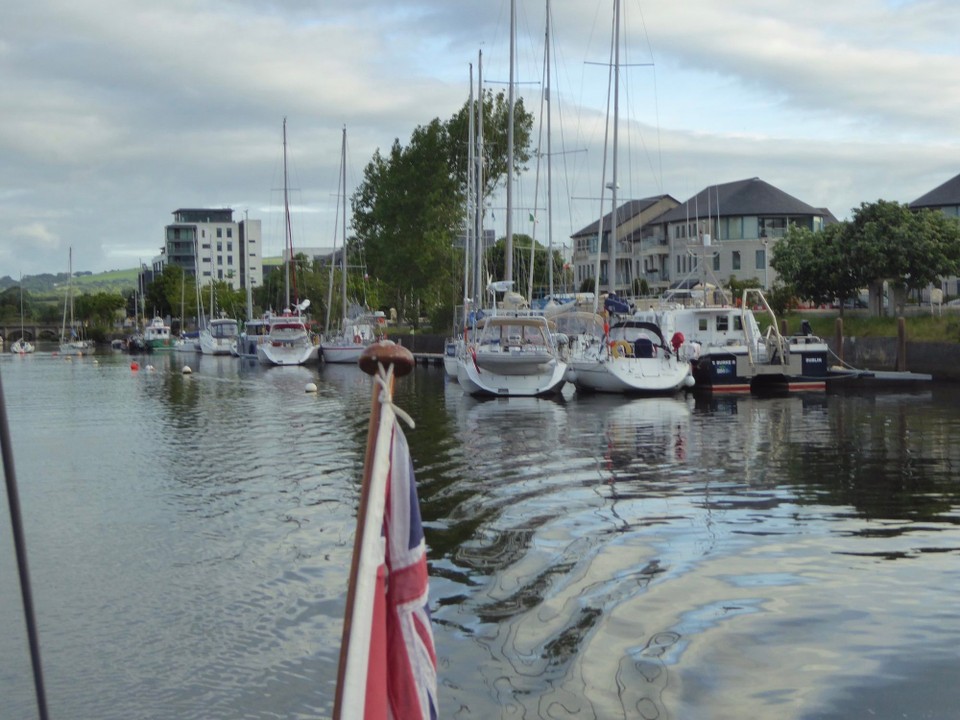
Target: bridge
31,331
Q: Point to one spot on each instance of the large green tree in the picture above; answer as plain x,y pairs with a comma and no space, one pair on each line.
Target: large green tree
909,249
410,206
819,266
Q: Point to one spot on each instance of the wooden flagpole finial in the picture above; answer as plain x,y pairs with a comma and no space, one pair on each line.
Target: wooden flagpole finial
386,353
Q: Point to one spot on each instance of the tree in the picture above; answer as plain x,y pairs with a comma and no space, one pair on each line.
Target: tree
410,206
496,258
890,242
820,266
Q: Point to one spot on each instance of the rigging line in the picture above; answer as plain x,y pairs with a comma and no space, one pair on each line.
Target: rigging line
20,544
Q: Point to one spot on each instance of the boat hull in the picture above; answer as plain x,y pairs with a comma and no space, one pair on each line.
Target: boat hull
477,381
638,376
342,352
275,353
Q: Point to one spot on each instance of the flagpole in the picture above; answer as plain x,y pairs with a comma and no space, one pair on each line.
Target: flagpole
379,354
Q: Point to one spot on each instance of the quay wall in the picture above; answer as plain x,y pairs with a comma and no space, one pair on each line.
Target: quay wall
939,359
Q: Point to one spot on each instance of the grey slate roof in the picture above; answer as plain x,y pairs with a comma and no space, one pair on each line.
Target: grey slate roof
628,210
943,195
743,197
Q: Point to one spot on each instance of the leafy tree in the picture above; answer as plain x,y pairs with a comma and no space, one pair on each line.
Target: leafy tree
819,266
496,263
410,206
889,241
98,309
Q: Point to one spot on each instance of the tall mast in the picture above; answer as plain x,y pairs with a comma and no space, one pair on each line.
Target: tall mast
615,221
286,216
478,257
343,254
509,242
470,223
549,156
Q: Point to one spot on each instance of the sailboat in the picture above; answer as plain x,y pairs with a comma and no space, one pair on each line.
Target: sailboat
21,346
512,352
628,355
288,341
70,341
359,329
219,335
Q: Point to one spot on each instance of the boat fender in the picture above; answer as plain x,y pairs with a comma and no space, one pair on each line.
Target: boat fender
357,339
620,348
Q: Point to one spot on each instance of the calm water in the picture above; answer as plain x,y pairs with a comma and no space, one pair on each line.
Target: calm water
189,538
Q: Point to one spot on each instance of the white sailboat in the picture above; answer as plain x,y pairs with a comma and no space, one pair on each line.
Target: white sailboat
362,328
21,346
288,341
512,351
70,341
219,335
629,356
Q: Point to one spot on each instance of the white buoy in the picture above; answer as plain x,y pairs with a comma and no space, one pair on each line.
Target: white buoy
186,370
311,387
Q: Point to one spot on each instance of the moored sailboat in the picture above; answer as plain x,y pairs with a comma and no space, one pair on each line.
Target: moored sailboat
71,342
288,340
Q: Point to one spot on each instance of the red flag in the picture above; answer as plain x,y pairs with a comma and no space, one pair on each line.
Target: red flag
391,666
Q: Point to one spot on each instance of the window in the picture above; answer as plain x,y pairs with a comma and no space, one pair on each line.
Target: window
219,232
203,233
716,262
702,325
723,323
761,259
219,259
229,259
229,244
736,259
229,232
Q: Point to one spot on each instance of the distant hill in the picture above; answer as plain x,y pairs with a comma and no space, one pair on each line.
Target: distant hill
122,281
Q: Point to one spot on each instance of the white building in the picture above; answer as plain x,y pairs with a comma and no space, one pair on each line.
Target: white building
208,243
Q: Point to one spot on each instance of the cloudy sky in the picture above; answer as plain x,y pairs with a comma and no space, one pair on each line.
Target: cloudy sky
114,113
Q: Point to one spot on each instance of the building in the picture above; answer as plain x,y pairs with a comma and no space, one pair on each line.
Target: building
208,243
641,248
663,243
946,199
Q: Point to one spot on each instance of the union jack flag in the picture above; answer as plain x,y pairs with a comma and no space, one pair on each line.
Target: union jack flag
391,666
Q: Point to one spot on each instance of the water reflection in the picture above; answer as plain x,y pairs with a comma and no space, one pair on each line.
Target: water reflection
591,556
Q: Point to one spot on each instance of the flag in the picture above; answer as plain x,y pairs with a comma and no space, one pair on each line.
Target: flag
391,665
533,218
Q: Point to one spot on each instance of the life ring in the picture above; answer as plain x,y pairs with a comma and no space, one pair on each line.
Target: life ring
357,339
620,348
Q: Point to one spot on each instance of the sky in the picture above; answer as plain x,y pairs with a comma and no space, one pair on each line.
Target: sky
115,113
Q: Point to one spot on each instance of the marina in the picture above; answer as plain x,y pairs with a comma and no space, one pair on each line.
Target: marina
590,555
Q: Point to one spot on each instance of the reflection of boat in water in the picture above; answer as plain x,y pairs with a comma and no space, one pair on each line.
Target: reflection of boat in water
640,432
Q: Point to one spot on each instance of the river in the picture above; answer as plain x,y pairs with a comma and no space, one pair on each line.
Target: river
189,539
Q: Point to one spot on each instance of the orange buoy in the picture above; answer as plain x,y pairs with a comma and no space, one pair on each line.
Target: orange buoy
134,366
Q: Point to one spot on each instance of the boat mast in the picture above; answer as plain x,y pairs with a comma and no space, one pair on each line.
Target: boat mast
509,241
470,221
549,156
478,250
343,255
286,216
614,223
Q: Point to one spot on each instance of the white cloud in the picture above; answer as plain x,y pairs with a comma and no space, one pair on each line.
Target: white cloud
114,114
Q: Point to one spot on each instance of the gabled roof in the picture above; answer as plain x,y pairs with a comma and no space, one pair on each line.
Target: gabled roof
743,197
625,212
946,194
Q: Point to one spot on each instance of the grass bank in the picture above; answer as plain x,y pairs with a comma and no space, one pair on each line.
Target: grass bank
920,327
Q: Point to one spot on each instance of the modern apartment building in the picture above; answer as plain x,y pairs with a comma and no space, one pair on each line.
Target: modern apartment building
208,243
732,226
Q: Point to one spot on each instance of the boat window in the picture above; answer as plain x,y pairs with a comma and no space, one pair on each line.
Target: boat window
723,323
702,325
737,323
